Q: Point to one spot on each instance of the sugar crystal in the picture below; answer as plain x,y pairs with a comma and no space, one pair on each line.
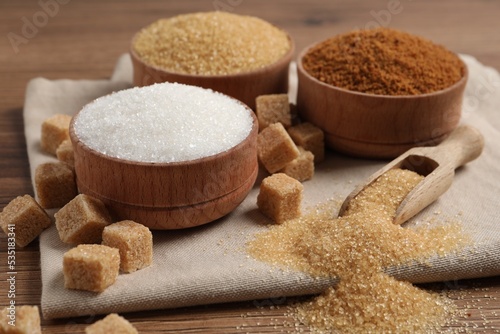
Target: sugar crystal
211,43
166,122
356,248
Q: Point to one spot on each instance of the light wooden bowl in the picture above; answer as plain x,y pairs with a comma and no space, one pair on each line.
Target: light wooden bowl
245,86
169,195
377,126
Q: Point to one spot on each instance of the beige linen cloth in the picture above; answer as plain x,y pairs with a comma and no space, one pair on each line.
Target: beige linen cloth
208,264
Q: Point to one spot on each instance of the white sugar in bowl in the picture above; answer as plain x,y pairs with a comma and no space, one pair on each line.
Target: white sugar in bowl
168,156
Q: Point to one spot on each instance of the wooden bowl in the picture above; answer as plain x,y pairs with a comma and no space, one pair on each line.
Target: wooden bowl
377,126
245,86
169,195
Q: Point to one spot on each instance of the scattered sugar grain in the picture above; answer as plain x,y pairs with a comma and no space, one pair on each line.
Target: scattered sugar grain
376,303
356,248
166,122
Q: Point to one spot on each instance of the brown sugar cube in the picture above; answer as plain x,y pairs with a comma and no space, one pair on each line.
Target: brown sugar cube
65,153
55,184
55,130
271,109
275,148
311,138
301,168
111,324
90,267
133,240
280,197
82,220
20,320
24,220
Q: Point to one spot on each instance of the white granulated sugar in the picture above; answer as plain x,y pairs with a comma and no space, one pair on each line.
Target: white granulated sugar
166,122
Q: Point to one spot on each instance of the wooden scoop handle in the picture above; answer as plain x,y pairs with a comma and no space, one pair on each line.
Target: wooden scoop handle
463,145
437,164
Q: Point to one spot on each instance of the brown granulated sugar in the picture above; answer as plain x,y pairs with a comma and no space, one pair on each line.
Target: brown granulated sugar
211,43
383,61
356,248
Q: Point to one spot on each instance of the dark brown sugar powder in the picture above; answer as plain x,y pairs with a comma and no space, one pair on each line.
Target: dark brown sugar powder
383,61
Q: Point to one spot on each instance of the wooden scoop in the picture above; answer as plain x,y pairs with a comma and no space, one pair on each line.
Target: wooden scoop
436,163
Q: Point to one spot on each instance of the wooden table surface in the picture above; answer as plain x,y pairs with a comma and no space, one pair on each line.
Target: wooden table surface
82,39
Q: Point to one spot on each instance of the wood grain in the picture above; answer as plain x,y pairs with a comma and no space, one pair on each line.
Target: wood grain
436,163
377,126
169,195
272,79
83,41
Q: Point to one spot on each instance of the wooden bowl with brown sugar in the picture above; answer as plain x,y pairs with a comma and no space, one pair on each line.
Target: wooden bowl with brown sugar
168,156
240,56
397,114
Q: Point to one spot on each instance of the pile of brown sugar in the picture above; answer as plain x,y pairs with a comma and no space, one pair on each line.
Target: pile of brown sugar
211,43
356,248
383,61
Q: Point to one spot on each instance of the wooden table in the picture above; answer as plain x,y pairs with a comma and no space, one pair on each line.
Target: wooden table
82,39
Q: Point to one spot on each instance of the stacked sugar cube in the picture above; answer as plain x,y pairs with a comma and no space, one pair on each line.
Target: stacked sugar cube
282,146
286,151
55,138
24,217
55,181
125,245
82,221
55,130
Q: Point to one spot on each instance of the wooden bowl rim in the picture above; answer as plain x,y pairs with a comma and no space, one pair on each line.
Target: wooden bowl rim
253,132
285,59
424,142
454,86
